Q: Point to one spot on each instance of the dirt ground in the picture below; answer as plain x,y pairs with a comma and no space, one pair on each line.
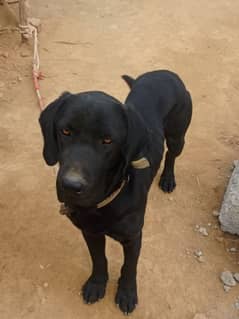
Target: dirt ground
87,45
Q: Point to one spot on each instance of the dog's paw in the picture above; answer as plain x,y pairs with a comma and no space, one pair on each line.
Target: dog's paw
126,299
93,290
167,183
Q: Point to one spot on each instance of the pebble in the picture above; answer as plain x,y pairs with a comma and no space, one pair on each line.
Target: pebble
203,231
19,78
232,250
198,253
237,305
236,276
228,279
226,288
209,224
215,213
45,285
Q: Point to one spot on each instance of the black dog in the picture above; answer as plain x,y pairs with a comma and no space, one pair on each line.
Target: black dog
108,155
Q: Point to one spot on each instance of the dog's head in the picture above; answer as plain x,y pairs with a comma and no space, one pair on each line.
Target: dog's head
94,138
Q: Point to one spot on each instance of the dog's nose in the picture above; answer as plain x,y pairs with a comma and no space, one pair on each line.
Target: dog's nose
72,185
73,182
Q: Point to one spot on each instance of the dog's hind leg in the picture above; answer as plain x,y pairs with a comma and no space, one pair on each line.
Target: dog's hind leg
175,130
167,180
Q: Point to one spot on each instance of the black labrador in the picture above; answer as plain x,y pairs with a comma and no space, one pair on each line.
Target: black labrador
108,155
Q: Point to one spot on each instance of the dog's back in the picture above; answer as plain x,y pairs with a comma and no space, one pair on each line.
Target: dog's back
156,92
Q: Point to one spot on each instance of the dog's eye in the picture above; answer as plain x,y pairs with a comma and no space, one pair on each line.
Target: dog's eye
107,140
66,131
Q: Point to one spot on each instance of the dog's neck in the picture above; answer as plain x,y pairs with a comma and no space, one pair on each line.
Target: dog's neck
140,163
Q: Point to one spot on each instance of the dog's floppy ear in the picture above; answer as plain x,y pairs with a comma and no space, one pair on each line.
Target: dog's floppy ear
137,142
47,123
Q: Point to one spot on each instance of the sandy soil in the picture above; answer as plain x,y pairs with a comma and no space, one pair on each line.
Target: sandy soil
87,45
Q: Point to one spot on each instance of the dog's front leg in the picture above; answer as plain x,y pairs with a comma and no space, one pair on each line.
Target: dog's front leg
94,288
126,296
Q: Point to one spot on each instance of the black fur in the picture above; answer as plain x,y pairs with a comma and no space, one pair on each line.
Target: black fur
129,80
158,107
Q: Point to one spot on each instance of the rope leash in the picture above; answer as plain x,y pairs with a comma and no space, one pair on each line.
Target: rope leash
31,31
36,74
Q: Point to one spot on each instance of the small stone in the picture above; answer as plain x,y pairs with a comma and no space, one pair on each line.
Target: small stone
203,231
41,267
170,199
237,305
199,316
45,285
19,78
209,224
236,276
198,253
215,213
226,288
197,226
228,279
233,250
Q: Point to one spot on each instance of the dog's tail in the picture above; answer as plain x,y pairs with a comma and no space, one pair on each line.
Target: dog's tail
129,80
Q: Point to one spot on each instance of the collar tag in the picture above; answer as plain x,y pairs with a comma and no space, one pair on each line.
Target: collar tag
140,163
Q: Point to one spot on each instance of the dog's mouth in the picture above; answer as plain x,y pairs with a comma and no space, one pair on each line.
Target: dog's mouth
87,199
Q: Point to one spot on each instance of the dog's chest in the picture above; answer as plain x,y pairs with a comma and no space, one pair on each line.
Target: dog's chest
108,222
